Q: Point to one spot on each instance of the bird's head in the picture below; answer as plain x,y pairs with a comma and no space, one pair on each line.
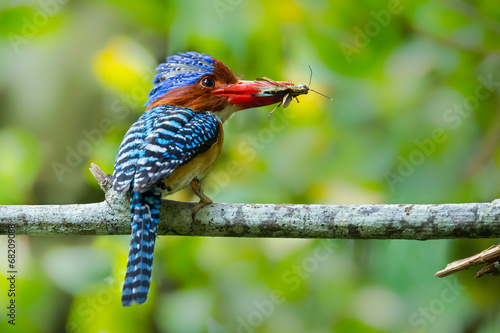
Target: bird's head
203,83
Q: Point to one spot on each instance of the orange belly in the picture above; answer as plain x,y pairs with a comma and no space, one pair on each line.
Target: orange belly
198,167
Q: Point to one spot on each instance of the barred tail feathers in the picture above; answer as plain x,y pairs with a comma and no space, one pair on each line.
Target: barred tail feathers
145,215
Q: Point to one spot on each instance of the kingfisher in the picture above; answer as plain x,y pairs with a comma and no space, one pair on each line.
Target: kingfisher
175,143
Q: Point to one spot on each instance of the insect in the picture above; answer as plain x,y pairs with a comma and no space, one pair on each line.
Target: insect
288,90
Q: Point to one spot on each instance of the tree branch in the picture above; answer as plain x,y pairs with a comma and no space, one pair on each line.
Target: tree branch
112,217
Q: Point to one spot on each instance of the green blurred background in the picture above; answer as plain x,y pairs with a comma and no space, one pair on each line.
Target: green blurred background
415,119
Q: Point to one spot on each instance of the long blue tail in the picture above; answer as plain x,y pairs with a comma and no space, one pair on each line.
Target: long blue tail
145,215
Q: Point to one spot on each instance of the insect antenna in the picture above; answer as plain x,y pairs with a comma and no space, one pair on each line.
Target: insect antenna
317,92
309,85
310,76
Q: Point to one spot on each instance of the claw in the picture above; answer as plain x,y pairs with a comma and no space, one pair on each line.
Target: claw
200,205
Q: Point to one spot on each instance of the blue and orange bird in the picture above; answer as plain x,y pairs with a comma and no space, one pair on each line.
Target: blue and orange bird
174,143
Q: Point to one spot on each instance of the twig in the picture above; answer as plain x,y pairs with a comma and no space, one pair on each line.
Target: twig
489,256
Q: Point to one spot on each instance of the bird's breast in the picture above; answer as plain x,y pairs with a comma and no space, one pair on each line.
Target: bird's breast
197,167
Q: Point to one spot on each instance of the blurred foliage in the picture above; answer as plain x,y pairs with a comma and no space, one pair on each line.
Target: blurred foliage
414,120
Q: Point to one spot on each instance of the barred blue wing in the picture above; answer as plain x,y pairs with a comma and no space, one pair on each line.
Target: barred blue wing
164,138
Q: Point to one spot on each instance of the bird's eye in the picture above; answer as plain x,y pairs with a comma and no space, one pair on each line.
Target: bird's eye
208,82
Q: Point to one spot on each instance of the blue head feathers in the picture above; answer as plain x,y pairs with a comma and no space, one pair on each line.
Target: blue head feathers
180,70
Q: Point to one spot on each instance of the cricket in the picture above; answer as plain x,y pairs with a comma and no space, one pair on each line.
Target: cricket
289,91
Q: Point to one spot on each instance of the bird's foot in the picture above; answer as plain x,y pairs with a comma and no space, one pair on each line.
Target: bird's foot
204,199
200,205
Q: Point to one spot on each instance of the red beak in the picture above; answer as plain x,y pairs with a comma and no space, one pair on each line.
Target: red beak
250,94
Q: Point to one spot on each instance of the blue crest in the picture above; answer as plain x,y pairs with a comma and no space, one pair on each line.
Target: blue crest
180,70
